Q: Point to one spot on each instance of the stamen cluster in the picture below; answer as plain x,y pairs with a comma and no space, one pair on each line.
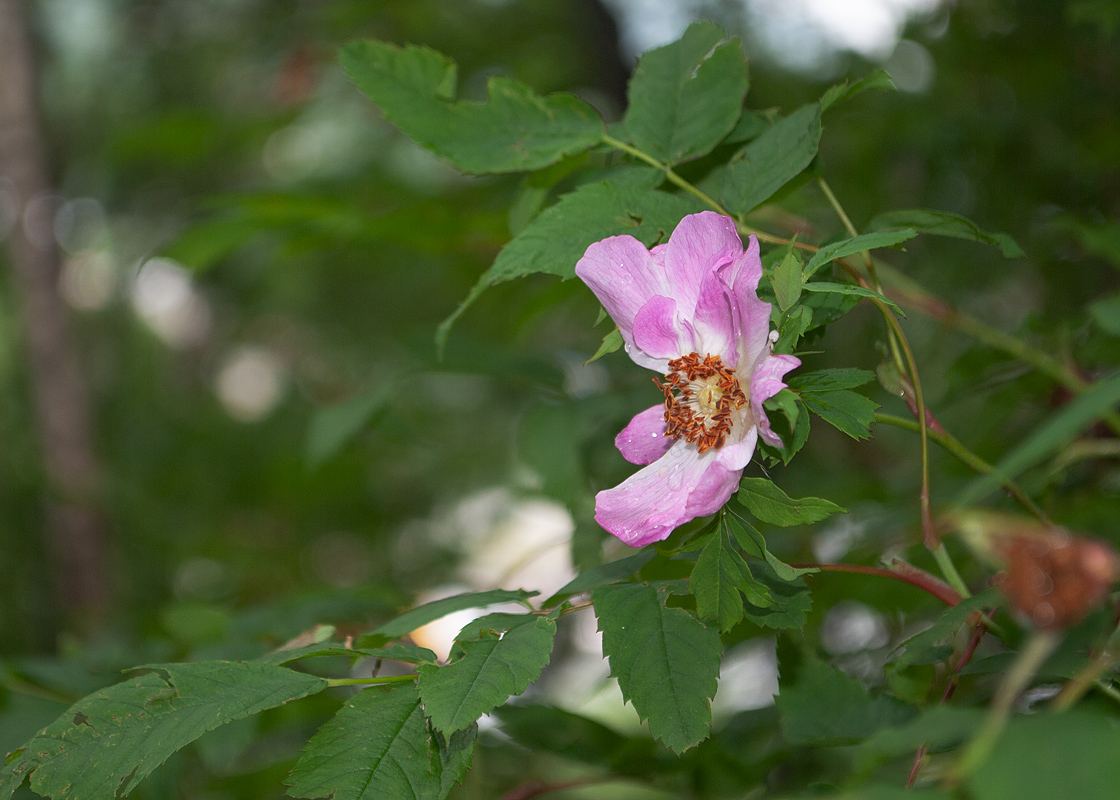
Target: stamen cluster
700,395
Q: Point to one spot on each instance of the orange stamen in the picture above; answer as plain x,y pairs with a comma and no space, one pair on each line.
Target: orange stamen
700,395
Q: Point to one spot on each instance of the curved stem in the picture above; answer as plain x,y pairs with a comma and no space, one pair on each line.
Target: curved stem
915,577
967,457
672,176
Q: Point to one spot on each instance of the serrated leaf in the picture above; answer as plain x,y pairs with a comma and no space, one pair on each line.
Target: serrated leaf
790,601
754,544
827,707
827,308
665,659
791,328
841,92
719,580
611,342
515,129
848,411
787,280
558,238
331,427
775,157
942,223
770,504
491,670
857,244
379,746
851,289
824,380
417,617
686,96
108,742
793,439
603,574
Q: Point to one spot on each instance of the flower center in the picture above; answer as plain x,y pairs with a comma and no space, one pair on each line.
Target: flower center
700,394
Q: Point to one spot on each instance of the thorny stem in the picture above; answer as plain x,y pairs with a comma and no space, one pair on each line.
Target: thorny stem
967,457
1038,649
898,341
950,687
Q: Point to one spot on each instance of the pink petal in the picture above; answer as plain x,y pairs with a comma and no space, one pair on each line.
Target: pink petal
655,500
700,243
754,314
643,441
659,331
765,383
620,272
736,455
715,319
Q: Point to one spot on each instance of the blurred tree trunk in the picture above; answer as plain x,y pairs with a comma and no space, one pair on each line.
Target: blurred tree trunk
75,530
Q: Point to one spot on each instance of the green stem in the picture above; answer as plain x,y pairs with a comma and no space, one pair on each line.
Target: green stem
371,681
1026,666
672,176
970,459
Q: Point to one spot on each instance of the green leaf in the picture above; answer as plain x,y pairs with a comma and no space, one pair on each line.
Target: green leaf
611,342
108,742
379,746
841,92
827,307
848,411
333,426
924,647
720,578
1106,313
491,670
770,504
549,729
686,96
787,280
603,574
769,162
857,244
827,707
852,289
417,617
942,223
793,435
825,380
516,129
558,238
790,600
1059,430
754,543
665,659
1072,754
791,328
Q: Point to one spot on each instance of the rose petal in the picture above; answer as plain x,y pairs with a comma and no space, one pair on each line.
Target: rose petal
643,441
736,455
765,383
655,500
700,243
620,272
715,320
754,314
659,332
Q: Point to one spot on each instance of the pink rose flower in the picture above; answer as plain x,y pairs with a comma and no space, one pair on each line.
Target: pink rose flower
689,310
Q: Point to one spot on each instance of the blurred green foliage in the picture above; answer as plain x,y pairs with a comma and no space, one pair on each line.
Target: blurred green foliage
225,136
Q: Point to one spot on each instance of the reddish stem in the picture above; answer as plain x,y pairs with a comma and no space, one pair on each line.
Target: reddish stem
907,573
